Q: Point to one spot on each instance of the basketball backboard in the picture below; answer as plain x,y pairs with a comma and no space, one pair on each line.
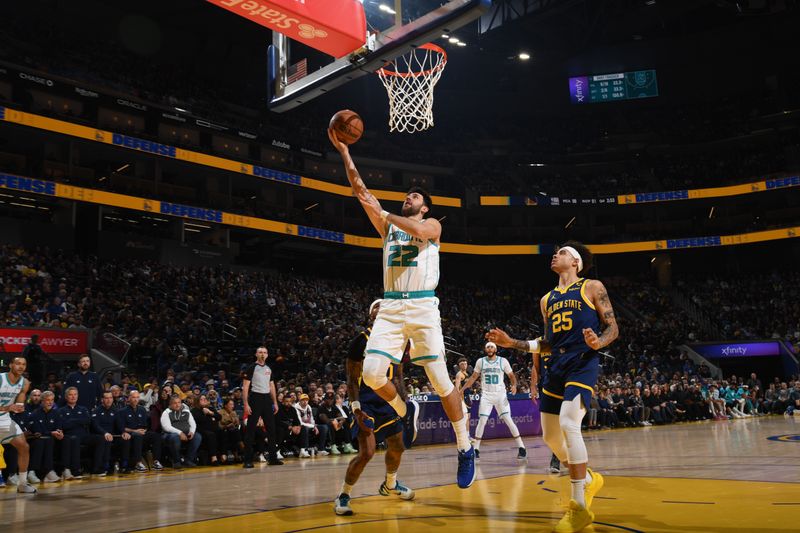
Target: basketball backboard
298,74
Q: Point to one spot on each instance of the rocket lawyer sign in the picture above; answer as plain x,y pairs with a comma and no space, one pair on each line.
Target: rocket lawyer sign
336,27
53,341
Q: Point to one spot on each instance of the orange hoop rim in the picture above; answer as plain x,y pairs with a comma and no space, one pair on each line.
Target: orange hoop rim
427,46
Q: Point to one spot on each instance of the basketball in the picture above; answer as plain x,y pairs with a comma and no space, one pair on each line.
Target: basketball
347,125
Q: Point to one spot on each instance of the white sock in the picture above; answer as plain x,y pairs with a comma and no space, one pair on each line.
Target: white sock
462,434
391,480
23,478
588,477
399,405
520,444
346,488
477,444
577,486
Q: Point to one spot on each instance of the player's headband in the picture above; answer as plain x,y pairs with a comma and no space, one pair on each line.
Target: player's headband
372,305
490,343
574,253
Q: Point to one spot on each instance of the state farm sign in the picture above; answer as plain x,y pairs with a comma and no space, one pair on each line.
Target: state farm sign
52,341
336,28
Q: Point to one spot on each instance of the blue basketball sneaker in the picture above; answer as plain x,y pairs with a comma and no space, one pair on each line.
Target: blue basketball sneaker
341,505
410,423
401,490
466,468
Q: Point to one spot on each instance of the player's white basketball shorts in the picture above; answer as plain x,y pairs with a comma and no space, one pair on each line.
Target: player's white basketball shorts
497,400
9,431
402,319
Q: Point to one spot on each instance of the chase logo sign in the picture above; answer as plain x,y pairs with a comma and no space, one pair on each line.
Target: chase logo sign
785,438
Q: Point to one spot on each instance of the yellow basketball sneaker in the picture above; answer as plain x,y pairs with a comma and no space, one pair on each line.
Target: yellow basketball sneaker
592,488
575,519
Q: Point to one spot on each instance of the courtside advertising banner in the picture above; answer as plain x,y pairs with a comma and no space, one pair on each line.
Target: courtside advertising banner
435,427
52,341
334,27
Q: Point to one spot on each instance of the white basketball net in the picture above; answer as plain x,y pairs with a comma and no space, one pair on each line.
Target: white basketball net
410,87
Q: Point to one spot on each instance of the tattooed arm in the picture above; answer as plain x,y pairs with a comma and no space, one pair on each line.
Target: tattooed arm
599,297
367,199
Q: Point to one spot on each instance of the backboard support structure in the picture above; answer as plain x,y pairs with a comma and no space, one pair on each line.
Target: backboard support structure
394,31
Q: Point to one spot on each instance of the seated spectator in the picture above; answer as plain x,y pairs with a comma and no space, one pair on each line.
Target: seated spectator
74,420
310,431
333,413
178,426
207,419
44,431
287,426
136,423
231,443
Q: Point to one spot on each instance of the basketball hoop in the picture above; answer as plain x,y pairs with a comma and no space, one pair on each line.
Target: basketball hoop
410,87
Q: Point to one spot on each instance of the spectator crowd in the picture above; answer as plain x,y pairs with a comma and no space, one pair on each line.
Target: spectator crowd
180,402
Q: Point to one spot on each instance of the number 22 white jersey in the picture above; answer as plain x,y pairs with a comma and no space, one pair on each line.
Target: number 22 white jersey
410,264
493,374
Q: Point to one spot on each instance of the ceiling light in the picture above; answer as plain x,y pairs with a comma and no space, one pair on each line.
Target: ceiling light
461,43
387,9
445,36
524,56
454,40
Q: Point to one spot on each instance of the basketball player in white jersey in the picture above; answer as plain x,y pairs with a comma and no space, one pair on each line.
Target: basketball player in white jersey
491,370
409,309
13,391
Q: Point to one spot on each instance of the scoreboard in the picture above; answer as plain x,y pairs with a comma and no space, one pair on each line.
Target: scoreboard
613,87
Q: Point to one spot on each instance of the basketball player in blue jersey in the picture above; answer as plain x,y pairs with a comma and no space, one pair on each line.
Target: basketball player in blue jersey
409,309
579,321
13,391
374,421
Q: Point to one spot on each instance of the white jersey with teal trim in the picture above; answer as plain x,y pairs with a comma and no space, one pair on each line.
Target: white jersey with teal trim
493,374
410,264
8,396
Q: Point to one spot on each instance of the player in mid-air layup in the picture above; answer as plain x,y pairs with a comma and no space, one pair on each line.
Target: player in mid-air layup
493,395
574,313
409,309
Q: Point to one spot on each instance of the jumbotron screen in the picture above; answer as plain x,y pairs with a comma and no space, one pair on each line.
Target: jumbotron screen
613,87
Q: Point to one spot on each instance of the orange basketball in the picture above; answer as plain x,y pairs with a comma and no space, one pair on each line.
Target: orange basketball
347,125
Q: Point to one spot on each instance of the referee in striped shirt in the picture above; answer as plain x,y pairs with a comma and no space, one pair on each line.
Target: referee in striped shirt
257,390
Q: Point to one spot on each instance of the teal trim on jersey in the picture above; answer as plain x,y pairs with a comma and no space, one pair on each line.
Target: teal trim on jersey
501,414
487,416
424,357
379,352
433,243
411,295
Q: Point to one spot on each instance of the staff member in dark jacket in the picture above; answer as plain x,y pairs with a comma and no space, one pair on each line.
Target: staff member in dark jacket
74,420
90,390
258,390
107,423
43,424
136,423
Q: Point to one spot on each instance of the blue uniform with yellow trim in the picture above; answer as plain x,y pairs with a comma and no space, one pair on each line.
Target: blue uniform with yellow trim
572,368
384,418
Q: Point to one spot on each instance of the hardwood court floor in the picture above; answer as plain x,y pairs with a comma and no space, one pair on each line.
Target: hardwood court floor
711,476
